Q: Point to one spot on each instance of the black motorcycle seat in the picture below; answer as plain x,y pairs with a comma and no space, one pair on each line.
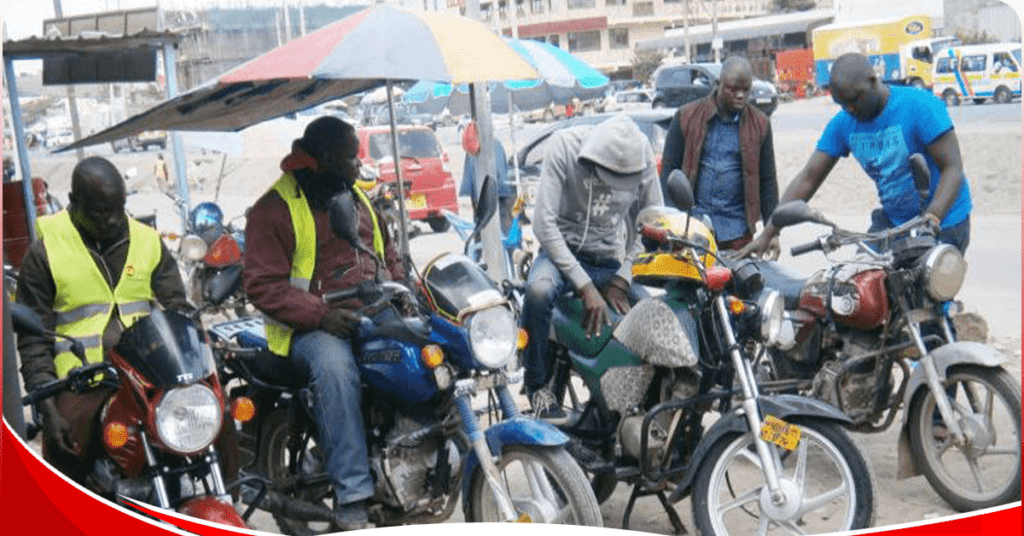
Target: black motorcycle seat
273,370
776,276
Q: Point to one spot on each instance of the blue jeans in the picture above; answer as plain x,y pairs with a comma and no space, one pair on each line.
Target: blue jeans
546,284
958,236
329,364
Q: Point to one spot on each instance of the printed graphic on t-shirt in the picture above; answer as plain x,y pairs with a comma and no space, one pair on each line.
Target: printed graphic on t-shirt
883,155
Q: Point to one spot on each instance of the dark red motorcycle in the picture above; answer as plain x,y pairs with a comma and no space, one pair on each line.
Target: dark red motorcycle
160,426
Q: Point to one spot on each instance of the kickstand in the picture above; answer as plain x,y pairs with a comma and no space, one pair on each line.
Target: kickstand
673,517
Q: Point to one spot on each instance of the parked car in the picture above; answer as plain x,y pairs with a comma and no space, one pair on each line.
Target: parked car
425,167
143,141
633,99
676,85
653,123
60,139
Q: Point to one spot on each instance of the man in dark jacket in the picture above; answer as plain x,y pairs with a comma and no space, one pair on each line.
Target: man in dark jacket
724,146
292,259
124,272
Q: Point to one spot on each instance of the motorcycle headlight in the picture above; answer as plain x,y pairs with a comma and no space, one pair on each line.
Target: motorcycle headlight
193,248
772,307
188,418
944,269
492,336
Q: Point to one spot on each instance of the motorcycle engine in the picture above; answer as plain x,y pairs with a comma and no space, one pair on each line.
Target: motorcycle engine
857,385
405,462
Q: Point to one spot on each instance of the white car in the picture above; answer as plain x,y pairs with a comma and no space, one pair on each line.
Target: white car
629,100
60,139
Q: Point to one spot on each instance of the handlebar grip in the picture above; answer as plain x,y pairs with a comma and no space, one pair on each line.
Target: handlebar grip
342,295
805,248
654,233
44,391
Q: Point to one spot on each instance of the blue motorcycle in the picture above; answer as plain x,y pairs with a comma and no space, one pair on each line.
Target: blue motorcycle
423,355
518,255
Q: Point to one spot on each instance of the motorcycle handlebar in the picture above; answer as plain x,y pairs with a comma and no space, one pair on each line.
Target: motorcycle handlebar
805,248
654,233
76,380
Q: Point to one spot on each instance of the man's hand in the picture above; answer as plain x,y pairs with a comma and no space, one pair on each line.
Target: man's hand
595,310
57,427
759,245
617,295
773,251
340,323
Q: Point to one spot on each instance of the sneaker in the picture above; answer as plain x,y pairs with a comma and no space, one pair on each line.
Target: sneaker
544,406
351,516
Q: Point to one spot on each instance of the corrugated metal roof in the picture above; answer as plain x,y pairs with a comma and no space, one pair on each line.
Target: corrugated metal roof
743,29
39,47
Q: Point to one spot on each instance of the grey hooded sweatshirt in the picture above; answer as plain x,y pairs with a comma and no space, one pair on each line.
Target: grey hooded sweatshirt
582,210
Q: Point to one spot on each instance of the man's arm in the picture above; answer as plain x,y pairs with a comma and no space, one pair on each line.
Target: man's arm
769,181
946,152
36,290
672,153
167,284
558,161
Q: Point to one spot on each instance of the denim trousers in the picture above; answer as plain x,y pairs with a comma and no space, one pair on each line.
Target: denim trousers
958,236
546,284
328,363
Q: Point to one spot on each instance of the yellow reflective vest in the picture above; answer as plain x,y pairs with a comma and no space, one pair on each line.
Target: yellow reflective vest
84,301
279,336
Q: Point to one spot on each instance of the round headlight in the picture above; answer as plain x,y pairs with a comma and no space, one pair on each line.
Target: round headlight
492,335
944,269
771,306
188,418
193,248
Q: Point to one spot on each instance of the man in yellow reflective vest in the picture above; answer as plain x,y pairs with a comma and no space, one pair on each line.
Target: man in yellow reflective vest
92,273
292,258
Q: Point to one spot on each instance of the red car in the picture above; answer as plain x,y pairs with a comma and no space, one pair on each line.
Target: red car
425,166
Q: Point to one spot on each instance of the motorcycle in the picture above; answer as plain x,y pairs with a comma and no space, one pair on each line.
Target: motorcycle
211,255
639,396
159,427
517,248
872,333
421,359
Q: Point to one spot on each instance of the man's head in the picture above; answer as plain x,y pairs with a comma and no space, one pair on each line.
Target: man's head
618,151
335,147
734,85
855,86
97,199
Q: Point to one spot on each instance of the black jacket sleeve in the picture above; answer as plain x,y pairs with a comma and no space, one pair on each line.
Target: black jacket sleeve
36,290
672,154
769,182
167,284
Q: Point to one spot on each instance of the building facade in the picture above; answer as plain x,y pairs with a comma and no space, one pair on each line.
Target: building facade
993,18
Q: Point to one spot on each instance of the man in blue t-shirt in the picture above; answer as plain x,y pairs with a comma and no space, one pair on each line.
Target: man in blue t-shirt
882,126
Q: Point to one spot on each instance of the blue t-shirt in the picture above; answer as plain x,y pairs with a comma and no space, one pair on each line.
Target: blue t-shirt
911,120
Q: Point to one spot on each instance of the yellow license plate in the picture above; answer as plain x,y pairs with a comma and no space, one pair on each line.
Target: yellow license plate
417,201
774,430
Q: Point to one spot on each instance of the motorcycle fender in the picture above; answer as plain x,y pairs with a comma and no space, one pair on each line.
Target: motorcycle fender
784,407
213,510
517,431
945,356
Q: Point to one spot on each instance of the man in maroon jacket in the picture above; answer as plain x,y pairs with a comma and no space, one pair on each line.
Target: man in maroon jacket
292,259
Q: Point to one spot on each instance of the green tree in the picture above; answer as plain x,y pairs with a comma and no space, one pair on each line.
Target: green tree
645,62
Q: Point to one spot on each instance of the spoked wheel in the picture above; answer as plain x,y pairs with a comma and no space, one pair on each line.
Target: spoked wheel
985,470
545,485
826,484
273,461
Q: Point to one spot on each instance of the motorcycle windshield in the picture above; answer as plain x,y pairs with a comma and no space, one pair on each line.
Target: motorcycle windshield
457,286
166,348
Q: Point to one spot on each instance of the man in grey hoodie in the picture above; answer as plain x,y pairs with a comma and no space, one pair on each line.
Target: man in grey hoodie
594,181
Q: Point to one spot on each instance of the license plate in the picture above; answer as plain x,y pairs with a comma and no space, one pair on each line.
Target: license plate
763,100
417,201
774,430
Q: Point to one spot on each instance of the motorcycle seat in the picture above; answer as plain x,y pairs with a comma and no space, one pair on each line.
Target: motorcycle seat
274,371
790,285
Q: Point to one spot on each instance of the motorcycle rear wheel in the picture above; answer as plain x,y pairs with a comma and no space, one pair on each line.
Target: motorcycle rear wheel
827,482
273,462
985,472
544,483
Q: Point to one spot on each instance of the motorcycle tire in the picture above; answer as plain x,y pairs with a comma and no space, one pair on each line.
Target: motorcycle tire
545,485
992,455
272,460
731,497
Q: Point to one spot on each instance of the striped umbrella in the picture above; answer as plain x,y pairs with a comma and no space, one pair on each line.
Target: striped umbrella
358,53
563,77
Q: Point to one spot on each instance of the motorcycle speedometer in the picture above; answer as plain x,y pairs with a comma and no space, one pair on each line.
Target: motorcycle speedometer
492,336
944,270
188,418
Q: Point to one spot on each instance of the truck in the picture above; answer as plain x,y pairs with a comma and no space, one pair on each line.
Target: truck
901,50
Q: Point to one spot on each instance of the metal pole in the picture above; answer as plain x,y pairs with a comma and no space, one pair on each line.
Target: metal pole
19,138
714,31
403,212
686,33
287,22
76,125
180,169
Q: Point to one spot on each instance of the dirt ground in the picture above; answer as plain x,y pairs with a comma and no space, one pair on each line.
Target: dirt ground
992,162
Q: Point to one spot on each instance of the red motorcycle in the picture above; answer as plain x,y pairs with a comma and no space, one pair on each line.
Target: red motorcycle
160,426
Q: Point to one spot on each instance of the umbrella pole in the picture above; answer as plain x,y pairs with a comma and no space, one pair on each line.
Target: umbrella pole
512,139
406,257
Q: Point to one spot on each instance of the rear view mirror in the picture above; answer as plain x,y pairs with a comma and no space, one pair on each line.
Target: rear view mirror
344,218
794,212
486,204
26,320
922,175
679,191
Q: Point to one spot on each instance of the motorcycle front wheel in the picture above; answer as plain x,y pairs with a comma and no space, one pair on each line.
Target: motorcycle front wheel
985,470
545,485
827,484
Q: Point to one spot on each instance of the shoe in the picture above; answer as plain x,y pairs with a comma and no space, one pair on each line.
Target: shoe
544,406
351,516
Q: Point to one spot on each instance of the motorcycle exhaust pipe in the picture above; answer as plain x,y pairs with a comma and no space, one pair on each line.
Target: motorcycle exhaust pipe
296,509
